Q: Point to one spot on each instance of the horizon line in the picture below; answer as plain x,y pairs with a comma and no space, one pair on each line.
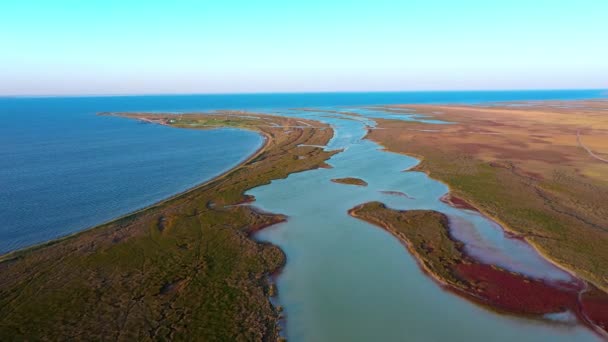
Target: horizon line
300,92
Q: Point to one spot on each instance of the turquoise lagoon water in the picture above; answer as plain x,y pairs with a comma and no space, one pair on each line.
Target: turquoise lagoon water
346,280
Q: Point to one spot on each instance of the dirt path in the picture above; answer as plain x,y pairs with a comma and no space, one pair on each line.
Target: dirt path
591,153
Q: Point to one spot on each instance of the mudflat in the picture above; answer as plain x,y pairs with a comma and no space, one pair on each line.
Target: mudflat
184,268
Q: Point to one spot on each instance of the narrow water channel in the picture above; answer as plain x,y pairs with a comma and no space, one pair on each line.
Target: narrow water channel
347,280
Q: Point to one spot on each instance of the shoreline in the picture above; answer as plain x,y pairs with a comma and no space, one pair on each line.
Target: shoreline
475,296
481,211
206,228
591,298
267,139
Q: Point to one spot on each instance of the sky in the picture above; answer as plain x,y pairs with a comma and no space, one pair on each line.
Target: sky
78,47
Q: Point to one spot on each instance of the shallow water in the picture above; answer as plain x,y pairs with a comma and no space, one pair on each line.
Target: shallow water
348,280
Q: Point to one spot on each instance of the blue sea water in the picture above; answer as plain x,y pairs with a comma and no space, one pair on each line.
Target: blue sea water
63,169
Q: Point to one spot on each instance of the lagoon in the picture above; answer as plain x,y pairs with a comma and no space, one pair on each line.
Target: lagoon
347,280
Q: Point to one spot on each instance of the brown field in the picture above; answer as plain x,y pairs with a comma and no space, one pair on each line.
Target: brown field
538,168
182,269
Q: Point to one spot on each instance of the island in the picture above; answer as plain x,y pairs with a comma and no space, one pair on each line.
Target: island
536,167
350,181
426,233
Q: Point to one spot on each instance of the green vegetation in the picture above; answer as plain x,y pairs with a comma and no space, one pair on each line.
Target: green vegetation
184,269
426,234
526,207
215,120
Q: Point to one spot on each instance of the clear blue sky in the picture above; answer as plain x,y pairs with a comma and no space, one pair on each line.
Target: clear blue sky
128,46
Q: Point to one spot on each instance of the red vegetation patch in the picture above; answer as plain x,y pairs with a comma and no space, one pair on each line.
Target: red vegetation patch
515,293
594,305
427,235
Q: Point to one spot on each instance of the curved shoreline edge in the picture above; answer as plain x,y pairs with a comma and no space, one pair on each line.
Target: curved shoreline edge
433,167
426,234
492,158
14,254
468,200
219,264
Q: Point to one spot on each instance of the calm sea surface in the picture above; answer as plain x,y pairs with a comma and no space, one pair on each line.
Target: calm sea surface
63,168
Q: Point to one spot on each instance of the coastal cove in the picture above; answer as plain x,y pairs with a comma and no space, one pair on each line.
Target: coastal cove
62,173
334,277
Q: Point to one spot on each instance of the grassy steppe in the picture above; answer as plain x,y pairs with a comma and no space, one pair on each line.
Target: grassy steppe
525,167
426,234
183,269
